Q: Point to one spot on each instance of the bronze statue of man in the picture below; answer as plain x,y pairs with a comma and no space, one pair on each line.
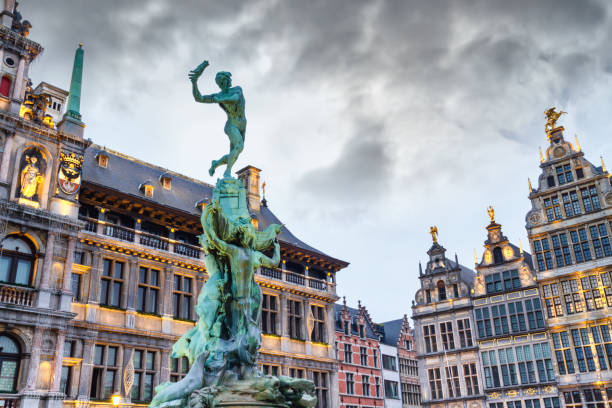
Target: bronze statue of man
231,100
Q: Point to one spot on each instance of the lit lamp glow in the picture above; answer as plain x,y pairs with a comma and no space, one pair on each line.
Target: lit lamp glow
116,400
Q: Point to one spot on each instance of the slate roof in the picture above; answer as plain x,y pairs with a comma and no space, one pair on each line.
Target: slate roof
391,331
126,174
354,313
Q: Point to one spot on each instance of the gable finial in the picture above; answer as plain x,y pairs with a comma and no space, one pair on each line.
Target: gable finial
603,165
578,148
475,257
521,246
530,188
541,155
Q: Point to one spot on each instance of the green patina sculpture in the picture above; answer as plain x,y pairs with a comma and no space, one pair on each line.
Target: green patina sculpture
231,100
222,348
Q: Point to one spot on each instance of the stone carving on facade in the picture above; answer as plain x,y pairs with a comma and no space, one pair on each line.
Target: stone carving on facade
69,175
128,374
608,198
20,26
534,217
525,276
31,176
34,107
479,284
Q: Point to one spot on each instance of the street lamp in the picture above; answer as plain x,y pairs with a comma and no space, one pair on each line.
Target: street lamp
116,400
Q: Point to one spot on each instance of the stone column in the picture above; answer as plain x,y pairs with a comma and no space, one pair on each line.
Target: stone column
330,327
44,294
6,158
132,291
164,374
166,311
34,359
57,361
18,86
67,278
94,288
86,370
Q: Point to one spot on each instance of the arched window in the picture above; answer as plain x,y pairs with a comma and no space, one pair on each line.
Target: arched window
10,355
498,257
441,290
16,261
5,86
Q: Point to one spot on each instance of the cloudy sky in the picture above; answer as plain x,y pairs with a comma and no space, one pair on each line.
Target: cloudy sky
371,120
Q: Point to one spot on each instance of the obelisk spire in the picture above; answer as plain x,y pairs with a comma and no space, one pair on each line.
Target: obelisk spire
74,98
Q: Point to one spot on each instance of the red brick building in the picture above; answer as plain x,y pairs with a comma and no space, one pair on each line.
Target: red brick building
359,362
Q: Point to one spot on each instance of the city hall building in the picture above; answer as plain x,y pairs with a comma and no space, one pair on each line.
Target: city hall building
100,266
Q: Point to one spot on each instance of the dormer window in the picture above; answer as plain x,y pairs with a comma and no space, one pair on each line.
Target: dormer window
361,331
102,160
346,328
579,173
166,181
147,189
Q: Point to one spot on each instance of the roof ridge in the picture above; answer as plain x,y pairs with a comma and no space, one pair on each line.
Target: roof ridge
151,165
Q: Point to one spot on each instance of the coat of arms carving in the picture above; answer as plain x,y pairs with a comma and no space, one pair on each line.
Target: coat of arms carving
69,176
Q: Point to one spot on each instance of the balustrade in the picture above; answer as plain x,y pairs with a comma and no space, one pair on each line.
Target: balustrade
153,241
8,402
15,295
187,250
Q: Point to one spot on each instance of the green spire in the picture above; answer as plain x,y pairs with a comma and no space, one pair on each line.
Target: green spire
74,99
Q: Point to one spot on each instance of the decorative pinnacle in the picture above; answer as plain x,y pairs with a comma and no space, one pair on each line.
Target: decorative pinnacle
491,212
434,233
521,247
475,257
541,155
603,165
263,189
578,148
530,188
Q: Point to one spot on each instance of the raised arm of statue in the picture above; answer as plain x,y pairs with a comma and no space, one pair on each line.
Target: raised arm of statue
271,262
212,237
194,76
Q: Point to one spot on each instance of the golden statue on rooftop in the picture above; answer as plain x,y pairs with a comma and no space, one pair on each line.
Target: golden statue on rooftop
491,212
551,119
434,233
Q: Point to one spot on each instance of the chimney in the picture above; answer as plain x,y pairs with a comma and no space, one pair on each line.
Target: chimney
250,177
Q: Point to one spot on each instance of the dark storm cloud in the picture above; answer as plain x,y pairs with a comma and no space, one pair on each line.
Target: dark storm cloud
434,107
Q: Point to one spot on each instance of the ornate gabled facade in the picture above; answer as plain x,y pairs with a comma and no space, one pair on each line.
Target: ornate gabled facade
442,313
359,360
510,326
100,266
569,228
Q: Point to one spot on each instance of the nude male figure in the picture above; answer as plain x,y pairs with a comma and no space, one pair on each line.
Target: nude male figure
231,100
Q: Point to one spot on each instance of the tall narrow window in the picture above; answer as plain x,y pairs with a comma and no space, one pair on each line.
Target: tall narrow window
348,353
564,174
75,286
350,383
435,383
363,356
269,314
294,309
104,373
318,328
375,355
182,294
465,333
431,344
16,261
441,291
471,378
321,383
365,385
10,356
448,339
111,283
144,374
563,354
552,208
590,199
543,255
452,381
148,290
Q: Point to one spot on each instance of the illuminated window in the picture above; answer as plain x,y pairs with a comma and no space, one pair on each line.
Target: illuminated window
571,296
181,297
591,293
102,160
166,182
104,375
148,190
179,367
111,283
10,358
552,300
144,375
603,345
16,261
148,290
269,314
